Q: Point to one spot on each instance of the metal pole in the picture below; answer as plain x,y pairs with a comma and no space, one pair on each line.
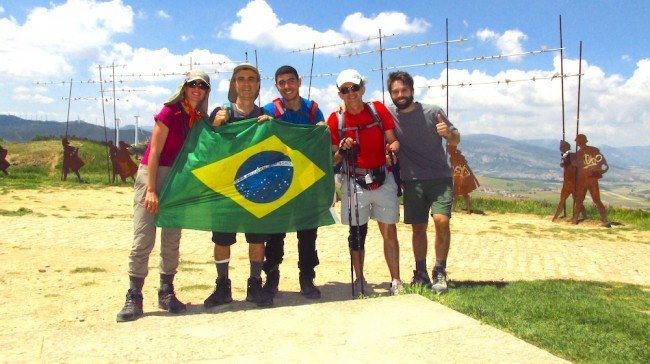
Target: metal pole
562,79
67,120
108,158
579,82
381,64
447,63
311,71
114,109
137,123
259,97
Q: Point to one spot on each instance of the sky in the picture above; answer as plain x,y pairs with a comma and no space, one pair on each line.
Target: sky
45,44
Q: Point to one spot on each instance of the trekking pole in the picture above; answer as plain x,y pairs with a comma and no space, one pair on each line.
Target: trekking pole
350,180
353,157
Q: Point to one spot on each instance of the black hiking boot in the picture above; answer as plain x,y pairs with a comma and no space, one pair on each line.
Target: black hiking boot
421,277
255,293
132,309
167,300
222,294
272,282
308,289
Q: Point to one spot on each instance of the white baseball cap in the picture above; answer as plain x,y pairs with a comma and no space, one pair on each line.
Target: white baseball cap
351,76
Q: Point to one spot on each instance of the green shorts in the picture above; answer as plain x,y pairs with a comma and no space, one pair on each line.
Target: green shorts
422,196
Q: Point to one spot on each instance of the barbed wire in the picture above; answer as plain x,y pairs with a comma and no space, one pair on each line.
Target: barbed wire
403,47
473,59
106,99
344,43
505,81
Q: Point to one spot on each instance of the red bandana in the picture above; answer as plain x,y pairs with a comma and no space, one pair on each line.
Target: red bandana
194,114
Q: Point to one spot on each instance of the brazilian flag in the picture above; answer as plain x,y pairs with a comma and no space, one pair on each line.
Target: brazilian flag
269,177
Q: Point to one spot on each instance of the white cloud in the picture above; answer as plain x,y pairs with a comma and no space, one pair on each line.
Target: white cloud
2,10
507,43
162,14
626,58
613,110
33,50
32,95
258,24
185,38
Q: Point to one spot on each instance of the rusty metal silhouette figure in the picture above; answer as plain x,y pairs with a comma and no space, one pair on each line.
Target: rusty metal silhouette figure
569,165
128,168
464,179
71,160
4,164
591,167
112,153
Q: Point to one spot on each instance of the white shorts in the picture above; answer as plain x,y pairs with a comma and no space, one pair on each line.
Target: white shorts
381,204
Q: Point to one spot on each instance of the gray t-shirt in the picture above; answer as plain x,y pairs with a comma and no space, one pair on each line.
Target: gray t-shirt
422,154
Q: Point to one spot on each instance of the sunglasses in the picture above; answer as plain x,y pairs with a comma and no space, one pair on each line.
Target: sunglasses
353,88
199,84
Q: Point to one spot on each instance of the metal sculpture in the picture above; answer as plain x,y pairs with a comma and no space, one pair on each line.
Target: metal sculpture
4,164
591,165
464,179
71,160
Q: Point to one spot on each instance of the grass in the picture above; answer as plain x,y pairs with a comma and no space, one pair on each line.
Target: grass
578,321
637,217
20,212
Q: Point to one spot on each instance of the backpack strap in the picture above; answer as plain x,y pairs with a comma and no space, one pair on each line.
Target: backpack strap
313,110
278,108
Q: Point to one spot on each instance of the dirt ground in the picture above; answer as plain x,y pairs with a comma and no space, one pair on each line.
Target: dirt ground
63,265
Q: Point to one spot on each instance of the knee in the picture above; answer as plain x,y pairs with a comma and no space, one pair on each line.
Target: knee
357,237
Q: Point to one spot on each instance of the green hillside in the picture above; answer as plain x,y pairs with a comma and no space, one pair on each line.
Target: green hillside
38,164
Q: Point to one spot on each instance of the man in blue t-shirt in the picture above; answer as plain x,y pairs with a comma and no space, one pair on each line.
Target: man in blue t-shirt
294,109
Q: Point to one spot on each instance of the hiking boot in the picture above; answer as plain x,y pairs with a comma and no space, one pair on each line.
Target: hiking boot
308,289
272,282
132,309
222,294
167,300
255,293
421,277
439,280
396,288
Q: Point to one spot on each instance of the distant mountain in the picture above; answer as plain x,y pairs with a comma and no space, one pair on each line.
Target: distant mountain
494,156
488,155
624,157
15,129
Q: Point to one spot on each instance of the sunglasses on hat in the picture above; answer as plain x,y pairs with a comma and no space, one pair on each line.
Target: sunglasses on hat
199,84
353,88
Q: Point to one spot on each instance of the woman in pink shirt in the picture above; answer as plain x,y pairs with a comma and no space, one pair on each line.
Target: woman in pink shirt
172,124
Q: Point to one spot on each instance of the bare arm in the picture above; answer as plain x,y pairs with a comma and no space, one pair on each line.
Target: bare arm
158,138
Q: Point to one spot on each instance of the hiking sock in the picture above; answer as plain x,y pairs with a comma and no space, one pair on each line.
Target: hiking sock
222,268
136,283
256,269
166,279
421,265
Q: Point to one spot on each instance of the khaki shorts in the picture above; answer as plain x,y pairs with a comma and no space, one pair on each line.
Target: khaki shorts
422,196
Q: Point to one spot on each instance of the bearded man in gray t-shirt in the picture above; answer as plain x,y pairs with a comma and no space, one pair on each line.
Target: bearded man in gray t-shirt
426,175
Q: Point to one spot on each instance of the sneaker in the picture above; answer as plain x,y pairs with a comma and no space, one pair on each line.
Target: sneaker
272,282
421,277
167,299
439,280
255,293
132,309
222,294
308,289
396,288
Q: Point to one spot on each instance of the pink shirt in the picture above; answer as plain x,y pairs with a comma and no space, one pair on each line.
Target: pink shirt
174,118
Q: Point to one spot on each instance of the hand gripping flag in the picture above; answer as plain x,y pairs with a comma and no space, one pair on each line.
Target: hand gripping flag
271,177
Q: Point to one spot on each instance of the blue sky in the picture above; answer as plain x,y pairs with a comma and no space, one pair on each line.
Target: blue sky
54,41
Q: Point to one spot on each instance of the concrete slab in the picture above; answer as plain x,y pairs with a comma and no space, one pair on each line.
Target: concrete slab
396,329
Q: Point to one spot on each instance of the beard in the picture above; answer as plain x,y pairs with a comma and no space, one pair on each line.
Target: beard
404,102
